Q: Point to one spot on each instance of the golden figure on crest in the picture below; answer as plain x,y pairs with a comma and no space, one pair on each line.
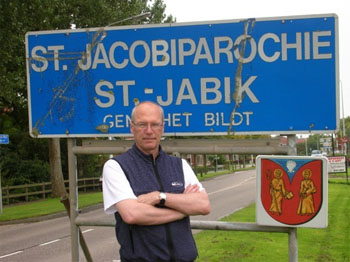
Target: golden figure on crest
307,189
277,191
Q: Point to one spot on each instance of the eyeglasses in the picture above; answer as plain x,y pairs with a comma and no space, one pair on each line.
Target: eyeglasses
142,125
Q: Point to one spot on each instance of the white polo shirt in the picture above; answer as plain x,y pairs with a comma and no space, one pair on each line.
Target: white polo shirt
116,186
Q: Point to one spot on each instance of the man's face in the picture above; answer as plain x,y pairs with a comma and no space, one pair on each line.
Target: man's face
147,127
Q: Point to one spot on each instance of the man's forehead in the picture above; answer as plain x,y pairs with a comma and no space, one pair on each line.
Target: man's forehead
147,110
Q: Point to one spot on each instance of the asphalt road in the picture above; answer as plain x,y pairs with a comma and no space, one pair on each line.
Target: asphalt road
50,241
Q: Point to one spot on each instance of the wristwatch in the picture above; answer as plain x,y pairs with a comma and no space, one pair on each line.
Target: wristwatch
162,198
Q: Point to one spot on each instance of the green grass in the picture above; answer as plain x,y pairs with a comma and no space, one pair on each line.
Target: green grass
45,207
331,244
341,175
205,176
339,181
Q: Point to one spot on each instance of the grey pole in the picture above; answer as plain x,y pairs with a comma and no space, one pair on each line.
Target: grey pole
0,187
0,193
291,145
3,140
293,245
73,196
292,235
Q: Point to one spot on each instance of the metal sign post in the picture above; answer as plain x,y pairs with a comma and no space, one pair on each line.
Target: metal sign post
292,191
4,139
0,190
293,248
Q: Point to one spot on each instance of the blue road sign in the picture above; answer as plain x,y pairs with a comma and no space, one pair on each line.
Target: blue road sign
4,139
253,76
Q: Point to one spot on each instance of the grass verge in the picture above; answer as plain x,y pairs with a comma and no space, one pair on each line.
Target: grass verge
205,176
46,207
315,245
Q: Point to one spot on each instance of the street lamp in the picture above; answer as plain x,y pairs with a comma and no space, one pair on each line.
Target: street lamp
306,153
344,145
133,18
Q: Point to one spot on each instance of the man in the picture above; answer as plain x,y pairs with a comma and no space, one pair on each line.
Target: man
152,195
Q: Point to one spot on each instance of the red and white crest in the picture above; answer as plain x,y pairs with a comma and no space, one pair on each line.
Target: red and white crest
292,191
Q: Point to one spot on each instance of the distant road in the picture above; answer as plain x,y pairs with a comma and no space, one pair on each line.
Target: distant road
49,240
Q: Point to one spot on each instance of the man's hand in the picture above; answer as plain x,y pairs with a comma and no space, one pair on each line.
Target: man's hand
190,202
191,189
134,212
151,198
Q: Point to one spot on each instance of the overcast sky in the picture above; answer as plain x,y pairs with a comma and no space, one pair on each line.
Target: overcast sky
207,10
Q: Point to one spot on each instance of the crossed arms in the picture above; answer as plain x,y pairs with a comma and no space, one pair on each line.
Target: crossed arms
143,210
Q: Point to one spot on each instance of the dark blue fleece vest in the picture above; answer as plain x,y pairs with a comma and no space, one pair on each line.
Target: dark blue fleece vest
168,242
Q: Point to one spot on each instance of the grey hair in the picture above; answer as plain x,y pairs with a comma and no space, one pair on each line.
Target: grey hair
147,102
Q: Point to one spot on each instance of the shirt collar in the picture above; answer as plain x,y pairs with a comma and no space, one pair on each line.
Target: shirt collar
149,157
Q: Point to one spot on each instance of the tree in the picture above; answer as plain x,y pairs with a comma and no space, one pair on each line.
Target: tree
57,181
18,17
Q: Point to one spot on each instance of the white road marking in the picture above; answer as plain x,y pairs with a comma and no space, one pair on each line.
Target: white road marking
87,230
44,244
50,242
227,188
14,253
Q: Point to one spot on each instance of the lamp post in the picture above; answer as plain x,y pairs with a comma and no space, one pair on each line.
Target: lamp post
132,18
344,134
306,153
4,139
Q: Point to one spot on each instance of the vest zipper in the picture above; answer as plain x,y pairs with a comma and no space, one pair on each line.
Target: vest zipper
167,226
